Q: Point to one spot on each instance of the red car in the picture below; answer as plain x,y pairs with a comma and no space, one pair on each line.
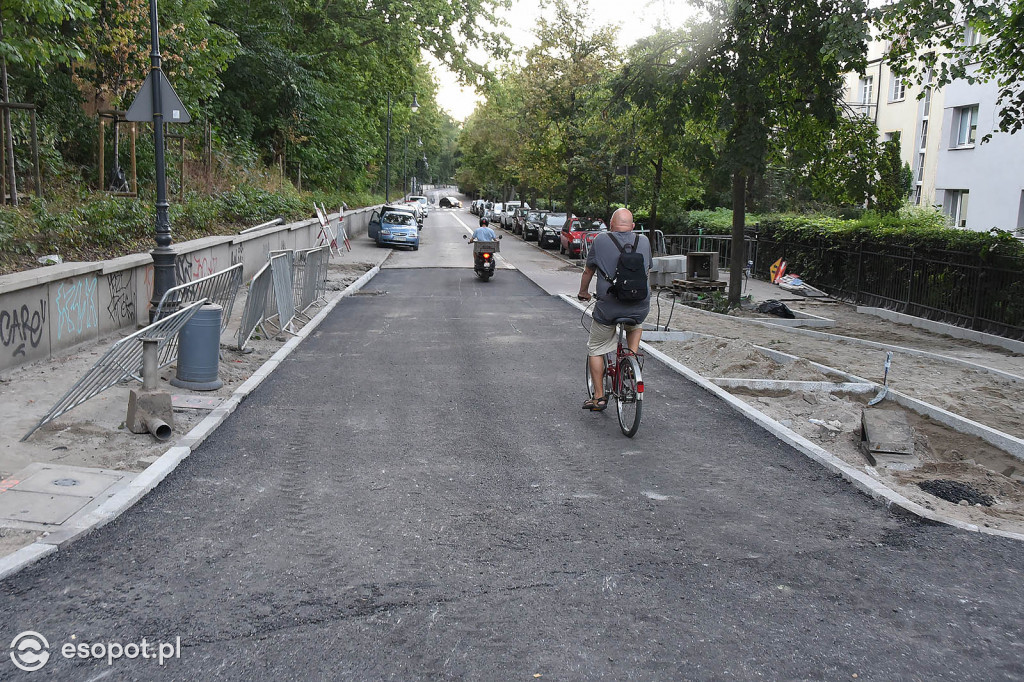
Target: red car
579,231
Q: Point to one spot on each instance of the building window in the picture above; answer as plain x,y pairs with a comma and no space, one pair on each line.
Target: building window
965,125
897,90
955,206
1020,213
867,86
924,134
972,36
927,102
920,167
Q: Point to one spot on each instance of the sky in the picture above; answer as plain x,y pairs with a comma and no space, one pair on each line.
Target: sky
637,18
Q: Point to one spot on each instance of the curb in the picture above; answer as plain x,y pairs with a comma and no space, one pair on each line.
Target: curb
121,501
859,480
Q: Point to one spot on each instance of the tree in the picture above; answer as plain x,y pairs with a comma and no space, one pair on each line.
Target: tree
560,73
889,192
935,42
31,34
763,68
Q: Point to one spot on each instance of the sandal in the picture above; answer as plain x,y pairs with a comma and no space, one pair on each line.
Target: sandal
596,404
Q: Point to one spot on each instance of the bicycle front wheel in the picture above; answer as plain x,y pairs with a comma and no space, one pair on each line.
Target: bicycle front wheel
630,397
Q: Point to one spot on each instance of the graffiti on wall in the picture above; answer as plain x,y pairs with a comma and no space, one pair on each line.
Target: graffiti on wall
21,326
183,268
75,304
203,266
238,254
122,297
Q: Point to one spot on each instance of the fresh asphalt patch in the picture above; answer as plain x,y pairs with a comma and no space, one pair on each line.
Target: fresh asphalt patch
416,493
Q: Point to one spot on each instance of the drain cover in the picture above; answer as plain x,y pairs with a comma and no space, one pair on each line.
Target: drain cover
955,492
66,482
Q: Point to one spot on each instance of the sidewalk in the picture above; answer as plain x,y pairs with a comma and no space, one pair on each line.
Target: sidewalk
86,455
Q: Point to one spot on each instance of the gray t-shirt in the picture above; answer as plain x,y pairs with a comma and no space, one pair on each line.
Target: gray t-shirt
604,257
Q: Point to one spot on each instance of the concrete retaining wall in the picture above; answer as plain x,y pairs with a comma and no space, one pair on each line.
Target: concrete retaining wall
47,311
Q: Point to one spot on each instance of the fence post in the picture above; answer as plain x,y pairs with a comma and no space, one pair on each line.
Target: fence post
977,298
860,272
910,282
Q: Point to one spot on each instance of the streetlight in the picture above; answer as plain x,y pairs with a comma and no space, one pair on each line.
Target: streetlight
387,150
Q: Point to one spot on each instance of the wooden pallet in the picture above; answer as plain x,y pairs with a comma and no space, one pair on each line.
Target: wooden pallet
693,285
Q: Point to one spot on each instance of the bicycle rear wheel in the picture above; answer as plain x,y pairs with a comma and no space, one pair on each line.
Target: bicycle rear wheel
629,401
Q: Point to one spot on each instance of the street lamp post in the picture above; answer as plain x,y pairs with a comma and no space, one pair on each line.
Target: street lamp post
164,277
387,147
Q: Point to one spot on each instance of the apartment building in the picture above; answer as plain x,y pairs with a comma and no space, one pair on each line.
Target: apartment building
979,186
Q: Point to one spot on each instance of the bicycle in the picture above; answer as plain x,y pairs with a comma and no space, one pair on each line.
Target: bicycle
623,380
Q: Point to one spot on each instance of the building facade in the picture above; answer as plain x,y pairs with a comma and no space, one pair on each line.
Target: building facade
978,185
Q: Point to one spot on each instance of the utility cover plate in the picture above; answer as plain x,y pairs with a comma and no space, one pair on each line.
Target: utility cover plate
887,439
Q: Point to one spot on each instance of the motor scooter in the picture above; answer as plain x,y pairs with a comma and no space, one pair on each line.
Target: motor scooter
483,258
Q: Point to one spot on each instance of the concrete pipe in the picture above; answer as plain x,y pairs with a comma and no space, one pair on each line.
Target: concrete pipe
159,428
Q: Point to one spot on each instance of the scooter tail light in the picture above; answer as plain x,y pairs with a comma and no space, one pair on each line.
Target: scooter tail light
486,256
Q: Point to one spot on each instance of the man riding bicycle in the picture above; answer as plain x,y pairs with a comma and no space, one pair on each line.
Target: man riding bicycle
603,259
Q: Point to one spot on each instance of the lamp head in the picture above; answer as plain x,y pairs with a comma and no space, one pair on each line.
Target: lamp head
415,103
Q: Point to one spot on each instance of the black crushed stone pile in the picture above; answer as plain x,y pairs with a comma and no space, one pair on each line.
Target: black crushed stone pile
955,491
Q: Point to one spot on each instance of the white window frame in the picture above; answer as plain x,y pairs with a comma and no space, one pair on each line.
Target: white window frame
972,35
965,126
897,89
956,204
867,89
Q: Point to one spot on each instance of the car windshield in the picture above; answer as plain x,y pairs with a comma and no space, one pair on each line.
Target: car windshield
556,219
593,227
395,218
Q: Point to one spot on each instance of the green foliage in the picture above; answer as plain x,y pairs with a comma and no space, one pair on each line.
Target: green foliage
889,191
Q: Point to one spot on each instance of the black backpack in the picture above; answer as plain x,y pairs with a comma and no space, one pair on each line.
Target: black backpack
629,284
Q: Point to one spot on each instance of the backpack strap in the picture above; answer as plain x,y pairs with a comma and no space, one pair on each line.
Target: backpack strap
622,249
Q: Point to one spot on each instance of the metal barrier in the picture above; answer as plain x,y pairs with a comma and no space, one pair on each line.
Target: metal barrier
255,305
220,288
122,361
284,291
321,279
306,268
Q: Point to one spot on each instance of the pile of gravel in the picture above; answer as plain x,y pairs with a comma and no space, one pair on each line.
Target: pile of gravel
955,491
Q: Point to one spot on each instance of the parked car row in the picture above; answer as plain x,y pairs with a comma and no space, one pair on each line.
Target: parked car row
570,234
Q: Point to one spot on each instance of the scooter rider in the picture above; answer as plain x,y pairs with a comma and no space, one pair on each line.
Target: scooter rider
483,233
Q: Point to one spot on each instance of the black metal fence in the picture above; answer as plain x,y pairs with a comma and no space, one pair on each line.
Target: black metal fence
953,287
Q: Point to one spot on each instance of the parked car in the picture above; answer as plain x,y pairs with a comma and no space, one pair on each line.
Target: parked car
492,213
550,229
532,219
422,201
579,231
519,219
449,202
394,225
505,218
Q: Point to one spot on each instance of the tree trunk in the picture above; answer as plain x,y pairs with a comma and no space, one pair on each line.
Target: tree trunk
12,182
739,208
659,167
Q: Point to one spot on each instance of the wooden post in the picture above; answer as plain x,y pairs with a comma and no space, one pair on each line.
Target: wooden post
181,151
35,154
102,184
135,175
3,165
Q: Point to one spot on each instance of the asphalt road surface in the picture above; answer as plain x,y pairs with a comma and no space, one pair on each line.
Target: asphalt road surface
416,494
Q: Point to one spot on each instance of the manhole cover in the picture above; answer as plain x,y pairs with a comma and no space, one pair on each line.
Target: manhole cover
67,482
955,492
